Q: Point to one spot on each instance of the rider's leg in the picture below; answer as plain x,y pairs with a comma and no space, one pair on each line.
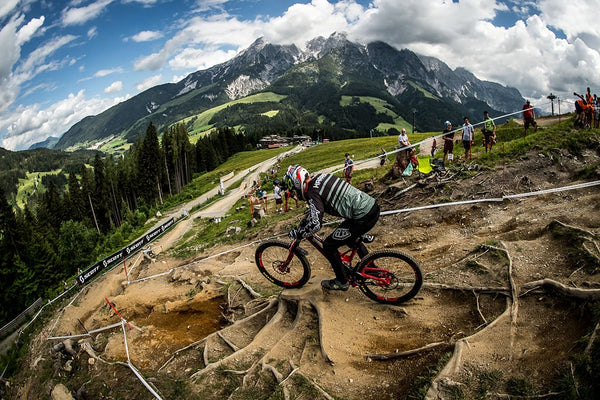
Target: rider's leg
346,234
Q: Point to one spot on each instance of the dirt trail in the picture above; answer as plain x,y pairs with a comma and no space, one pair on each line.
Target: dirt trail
310,343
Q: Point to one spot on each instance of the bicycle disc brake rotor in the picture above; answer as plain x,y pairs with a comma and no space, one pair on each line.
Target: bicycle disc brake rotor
280,267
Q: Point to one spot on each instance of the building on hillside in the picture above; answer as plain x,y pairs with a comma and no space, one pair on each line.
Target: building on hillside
301,139
271,141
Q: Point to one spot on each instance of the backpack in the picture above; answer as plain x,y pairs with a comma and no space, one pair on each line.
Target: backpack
408,170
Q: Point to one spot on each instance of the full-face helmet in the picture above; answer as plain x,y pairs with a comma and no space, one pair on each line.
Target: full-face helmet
296,179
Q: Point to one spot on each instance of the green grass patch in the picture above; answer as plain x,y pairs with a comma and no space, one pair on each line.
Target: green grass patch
207,181
380,105
271,113
427,94
201,121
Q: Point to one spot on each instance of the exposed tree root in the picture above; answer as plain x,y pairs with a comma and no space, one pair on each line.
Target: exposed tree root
269,306
554,286
392,356
588,348
479,289
436,391
214,365
252,292
320,316
512,396
443,380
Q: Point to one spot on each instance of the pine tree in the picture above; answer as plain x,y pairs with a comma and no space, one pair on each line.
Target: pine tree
149,166
101,196
9,253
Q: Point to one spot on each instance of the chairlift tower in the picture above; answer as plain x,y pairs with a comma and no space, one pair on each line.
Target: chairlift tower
551,97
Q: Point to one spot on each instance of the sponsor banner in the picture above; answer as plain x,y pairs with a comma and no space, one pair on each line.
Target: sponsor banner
124,253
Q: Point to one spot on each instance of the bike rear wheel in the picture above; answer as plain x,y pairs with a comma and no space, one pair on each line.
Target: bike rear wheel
389,276
271,260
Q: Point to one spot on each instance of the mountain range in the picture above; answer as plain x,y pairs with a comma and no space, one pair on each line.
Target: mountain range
333,85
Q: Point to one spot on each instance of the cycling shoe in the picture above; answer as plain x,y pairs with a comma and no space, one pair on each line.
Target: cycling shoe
334,284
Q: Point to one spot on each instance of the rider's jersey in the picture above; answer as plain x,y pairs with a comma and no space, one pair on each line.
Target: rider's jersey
330,194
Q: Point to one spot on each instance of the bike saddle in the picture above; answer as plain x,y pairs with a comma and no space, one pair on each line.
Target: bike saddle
367,238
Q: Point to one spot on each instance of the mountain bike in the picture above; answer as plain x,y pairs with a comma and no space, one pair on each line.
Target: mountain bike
385,276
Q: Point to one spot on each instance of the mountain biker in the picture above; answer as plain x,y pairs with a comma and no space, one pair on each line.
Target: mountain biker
326,193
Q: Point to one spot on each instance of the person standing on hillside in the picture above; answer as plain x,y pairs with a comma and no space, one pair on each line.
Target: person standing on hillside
403,140
382,157
448,136
433,146
528,118
277,196
348,168
489,131
403,155
596,111
467,138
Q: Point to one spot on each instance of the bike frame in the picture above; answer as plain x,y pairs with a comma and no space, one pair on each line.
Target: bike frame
317,242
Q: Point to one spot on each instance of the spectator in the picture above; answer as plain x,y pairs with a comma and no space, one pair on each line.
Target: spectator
584,110
290,194
448,136
382,157
277,196
261,195
588,97
528,118
579,108
403,139
403,155
596,111
348,168
467,138
433,146
489,131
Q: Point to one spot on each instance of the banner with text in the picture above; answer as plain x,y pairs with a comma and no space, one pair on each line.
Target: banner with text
124,253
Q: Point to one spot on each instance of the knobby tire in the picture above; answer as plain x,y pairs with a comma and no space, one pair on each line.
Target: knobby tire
400,270
270,256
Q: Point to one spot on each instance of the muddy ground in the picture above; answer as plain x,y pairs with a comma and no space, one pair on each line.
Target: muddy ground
483,320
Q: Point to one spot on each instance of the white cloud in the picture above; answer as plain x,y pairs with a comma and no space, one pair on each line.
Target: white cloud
12,36
29,125
198,59
104,72
303,22
218,30
142,2
579,20
116,86
81,15
26,32
149,82
7,6
92,32
146,36
177,78
9,49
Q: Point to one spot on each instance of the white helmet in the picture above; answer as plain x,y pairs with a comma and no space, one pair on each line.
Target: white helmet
296,179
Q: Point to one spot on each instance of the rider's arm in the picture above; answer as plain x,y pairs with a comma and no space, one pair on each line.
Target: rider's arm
313,220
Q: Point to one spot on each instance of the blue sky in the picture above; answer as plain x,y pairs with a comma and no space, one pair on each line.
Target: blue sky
64,60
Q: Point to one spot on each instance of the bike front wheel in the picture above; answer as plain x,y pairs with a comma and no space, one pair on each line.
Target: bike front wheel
275,262
389,276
